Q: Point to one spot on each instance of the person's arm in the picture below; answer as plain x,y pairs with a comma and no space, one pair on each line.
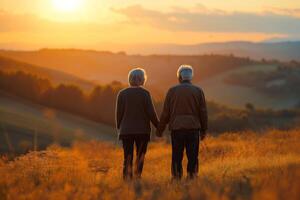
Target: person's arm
151,111
165,115
119,110
203,115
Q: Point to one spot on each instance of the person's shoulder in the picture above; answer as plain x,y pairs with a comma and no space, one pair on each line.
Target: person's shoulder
123,91
144,89
146,92
198,88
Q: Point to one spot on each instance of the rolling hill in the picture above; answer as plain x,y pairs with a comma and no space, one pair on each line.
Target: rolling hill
56,76
26,126
105,67
224,92
279,50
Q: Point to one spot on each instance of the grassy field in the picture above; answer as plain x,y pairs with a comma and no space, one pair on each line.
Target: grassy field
232,166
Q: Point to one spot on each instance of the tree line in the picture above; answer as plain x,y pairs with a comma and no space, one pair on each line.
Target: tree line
98,105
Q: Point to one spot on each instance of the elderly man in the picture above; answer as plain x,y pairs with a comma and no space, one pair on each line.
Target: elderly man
185,112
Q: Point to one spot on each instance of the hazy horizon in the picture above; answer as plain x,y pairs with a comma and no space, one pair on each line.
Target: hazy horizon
116,48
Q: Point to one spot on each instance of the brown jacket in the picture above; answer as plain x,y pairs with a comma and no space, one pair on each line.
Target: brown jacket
184,108
134,111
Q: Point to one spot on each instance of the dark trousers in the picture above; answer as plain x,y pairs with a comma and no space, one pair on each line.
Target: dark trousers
189,140
128,147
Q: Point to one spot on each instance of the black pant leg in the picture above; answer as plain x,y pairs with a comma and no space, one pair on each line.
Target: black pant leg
128,145
177,154
141,149
192,151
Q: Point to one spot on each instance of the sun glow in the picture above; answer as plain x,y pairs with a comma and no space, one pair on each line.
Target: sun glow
67,5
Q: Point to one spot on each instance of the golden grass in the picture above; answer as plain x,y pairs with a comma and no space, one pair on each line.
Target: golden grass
232,166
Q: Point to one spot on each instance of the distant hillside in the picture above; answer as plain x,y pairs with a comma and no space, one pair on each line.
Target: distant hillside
283,51
105,67
56,76
211,71
270,49
238,95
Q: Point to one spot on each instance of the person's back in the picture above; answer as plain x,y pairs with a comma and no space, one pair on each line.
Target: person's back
135,111
187,108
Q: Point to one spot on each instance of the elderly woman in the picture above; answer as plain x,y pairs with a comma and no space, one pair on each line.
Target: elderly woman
134,113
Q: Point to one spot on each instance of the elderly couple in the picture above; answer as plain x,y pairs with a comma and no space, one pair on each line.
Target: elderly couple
184,110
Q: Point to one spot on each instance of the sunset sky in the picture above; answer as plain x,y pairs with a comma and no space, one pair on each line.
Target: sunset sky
106,24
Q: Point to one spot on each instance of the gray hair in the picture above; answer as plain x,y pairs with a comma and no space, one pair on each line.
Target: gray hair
185,72
137,77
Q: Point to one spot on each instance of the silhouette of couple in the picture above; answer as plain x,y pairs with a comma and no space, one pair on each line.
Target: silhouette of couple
184,110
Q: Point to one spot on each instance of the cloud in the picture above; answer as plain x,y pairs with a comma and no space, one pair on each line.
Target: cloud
203,20
197,19
284,11
32,23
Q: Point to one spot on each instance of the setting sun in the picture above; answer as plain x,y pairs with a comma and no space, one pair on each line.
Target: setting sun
67,5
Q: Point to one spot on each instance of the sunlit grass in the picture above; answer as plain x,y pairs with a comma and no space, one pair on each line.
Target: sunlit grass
232,166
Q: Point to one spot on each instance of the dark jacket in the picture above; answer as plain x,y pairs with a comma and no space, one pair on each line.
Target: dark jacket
134,111
184,108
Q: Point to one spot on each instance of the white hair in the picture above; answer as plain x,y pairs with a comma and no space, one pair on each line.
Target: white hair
137,77
185,72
